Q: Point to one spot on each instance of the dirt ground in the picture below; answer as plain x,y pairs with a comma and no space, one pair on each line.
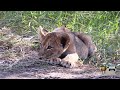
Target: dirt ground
28,69
32,68
19,61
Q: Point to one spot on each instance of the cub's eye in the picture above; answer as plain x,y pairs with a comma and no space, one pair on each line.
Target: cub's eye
49,47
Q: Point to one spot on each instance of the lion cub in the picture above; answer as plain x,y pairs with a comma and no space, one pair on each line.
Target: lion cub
63,47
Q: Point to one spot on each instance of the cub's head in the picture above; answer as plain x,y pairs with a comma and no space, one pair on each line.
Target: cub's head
52,44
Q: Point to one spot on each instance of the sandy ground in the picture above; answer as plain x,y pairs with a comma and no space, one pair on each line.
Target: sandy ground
32,68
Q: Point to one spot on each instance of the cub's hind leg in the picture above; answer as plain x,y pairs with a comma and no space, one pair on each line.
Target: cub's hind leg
87,40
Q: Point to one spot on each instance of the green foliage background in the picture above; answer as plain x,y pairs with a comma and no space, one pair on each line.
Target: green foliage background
103,26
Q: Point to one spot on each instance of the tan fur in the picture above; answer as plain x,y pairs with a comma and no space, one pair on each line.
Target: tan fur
66,47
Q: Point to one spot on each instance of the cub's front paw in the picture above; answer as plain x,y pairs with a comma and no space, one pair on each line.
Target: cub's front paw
68,64
54,61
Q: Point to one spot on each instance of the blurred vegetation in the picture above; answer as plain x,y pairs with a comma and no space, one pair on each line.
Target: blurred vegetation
103,26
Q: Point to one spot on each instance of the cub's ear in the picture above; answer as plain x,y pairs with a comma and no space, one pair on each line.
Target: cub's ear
65,41
63,27
59,29
42,33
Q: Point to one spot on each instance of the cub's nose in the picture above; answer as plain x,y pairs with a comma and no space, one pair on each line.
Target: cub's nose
41,57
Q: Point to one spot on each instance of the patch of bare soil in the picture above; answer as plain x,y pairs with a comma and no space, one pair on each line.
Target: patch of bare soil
19,61
31,67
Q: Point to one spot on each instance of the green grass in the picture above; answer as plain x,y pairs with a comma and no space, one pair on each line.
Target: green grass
103,26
